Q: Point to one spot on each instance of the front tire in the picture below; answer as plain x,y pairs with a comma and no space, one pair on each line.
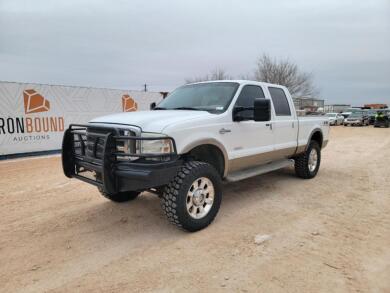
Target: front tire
119,196
308,163
192,199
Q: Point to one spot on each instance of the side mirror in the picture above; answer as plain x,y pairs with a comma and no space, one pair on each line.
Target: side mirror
152,106
262,110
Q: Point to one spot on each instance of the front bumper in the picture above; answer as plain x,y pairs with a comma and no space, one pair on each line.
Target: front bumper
353,122
92,156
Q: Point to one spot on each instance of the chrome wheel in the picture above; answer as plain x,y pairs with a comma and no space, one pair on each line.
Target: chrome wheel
313,160
200,198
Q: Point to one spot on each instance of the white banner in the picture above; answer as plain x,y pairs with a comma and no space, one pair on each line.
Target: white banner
33,117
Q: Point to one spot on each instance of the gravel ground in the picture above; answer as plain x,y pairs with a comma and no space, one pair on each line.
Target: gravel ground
329,234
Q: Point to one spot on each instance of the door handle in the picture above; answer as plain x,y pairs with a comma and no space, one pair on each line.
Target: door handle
269,124
224,130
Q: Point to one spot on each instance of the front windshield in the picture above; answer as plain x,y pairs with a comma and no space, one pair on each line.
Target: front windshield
331,115
214,97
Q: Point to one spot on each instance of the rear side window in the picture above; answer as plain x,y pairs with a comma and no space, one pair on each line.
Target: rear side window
247,98
279,99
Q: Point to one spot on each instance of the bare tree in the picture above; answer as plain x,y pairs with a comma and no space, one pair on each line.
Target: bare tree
285,73
216,74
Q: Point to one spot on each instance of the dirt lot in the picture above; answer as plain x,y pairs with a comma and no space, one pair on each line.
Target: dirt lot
329,234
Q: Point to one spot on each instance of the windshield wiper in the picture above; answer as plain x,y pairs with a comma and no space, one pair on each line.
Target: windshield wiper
188,108
160,108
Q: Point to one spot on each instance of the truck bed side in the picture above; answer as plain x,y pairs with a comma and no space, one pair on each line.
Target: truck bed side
308,126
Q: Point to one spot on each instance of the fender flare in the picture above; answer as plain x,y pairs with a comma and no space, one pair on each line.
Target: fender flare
311,135
209,141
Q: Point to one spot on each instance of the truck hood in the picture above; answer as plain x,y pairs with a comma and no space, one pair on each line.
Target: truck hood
152,121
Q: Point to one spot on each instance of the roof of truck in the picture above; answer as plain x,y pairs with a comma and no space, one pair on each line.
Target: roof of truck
241,81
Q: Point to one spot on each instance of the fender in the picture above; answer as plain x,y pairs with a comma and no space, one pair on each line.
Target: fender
311,135
211,141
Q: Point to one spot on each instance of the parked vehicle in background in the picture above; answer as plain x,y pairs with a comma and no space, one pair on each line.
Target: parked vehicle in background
371,115
198,136
354,110
357,118
335,118
346,114
315,113
382,119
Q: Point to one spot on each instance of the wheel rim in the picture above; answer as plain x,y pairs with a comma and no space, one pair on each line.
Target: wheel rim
200,198
313,160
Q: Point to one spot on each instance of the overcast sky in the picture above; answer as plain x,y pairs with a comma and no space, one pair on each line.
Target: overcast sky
124,44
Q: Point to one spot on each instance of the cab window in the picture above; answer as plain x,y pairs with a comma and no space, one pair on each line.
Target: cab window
247,98
279,99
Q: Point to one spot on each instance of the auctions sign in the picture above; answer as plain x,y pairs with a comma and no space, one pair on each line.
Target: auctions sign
27,128
33,117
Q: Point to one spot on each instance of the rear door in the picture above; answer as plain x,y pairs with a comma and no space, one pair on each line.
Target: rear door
250,143
284,124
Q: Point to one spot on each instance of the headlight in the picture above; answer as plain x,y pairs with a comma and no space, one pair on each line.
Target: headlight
125,145
155,146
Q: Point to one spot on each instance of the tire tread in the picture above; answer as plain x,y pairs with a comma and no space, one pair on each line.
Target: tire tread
301,162
169,199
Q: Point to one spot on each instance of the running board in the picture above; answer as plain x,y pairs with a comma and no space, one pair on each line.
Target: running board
254,171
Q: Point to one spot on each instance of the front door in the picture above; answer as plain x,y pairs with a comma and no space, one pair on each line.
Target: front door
250,143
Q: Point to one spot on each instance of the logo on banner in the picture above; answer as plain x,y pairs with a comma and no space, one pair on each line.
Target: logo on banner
128,104
34,102
36,125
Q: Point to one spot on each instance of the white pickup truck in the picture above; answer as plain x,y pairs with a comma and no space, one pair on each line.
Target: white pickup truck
199,136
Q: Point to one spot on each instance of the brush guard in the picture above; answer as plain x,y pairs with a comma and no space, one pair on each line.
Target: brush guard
90,154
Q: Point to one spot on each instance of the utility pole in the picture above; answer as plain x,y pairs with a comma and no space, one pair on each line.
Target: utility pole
145,87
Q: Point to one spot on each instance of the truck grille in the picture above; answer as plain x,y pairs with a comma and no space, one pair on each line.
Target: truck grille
95,144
